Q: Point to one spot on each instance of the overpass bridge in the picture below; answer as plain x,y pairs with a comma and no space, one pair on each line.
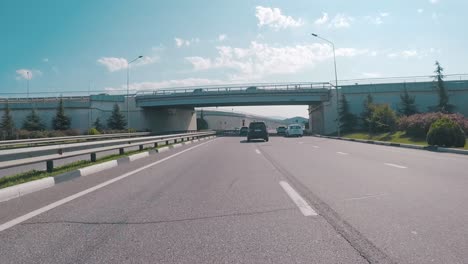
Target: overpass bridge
238,95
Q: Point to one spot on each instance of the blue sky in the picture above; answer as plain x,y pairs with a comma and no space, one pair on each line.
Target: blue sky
79,45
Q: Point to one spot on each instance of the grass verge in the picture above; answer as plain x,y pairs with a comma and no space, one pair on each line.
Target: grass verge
397,137
39,174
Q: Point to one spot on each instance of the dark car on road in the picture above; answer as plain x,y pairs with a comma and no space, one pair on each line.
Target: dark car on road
281,130
243,131
257,130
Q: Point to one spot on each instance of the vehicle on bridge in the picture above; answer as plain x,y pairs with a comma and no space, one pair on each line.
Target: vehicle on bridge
294,130
257,130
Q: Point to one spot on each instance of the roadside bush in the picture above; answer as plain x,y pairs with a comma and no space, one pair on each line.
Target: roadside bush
93,131
383,118
446,133
55,133
71,132
418,125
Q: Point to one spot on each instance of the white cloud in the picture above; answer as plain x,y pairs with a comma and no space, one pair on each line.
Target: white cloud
412,53
273,18
420,10
199,63
259,59
371,74
180,42
168,84
322,20
222,37
341,21
113,64
45,59
27,74
116,64
184,42
378,19
434,1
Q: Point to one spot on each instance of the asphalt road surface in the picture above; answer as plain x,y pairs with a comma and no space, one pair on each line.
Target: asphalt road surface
290,200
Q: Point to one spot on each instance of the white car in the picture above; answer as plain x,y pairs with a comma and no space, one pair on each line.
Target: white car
294,130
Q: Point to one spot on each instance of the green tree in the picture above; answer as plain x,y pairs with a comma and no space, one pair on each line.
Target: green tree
383,118
407,105
116,120
7,125
33,122
443,104
61,121
98,125
347,119
367,112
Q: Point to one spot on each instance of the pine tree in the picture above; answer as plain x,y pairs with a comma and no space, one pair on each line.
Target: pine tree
61,121
116,120
367,112
443,104
7,125
407,105
347,119
33,122
98,125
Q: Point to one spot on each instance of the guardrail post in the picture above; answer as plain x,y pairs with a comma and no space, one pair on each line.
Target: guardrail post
50,165
121,151
140,147
93,157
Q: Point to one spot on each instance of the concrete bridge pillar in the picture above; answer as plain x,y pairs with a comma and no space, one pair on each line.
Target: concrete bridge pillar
160,120
316,118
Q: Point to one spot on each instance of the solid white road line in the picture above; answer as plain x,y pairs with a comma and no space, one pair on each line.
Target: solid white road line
298,200
258,151
395,165
342,153
92,189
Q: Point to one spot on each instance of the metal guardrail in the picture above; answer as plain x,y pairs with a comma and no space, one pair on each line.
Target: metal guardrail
49,158
36,141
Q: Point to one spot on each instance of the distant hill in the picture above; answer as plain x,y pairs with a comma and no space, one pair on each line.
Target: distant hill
297,119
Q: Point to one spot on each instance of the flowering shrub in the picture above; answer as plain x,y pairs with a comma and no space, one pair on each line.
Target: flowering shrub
418,125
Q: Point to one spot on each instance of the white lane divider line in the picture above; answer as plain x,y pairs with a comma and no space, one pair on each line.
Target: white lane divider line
298,200
70,198
315,146
395,165
258,151
342,153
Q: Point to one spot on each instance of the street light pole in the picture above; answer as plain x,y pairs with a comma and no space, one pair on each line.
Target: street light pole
336,83
27,85
128,89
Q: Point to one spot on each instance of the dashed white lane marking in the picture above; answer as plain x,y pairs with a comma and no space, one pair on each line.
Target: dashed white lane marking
53,205
342,153
366,197
298,200
258,151
395,165
315,146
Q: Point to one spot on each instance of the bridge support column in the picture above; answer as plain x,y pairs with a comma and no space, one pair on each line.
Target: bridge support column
316,119
163,120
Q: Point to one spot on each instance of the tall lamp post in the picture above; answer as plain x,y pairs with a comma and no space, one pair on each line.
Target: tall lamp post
128,89
27,85
336,83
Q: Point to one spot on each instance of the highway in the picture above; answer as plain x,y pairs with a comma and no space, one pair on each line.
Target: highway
289,200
